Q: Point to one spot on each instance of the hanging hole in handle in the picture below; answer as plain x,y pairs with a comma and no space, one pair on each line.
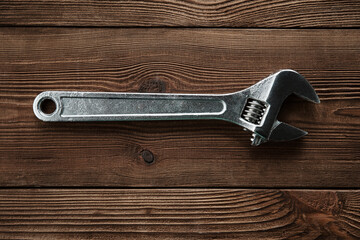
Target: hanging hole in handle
47,106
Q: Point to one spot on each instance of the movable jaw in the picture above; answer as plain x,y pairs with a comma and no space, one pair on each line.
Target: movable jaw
264,103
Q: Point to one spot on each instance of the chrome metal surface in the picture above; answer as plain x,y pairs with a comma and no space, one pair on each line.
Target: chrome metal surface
254,108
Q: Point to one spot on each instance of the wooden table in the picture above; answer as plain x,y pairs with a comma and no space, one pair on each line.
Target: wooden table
178,179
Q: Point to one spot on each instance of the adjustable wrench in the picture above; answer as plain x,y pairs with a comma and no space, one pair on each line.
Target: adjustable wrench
255,108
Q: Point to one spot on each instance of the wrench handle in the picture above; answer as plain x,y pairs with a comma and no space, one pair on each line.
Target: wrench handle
97,106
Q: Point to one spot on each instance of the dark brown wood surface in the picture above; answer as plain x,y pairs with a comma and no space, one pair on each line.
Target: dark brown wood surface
204,13
179,214
187,153
203,179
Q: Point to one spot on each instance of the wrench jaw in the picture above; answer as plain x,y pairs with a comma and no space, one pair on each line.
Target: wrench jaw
281,132
270,93
285,132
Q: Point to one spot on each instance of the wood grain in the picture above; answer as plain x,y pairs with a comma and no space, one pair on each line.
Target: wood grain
186,153
178,214
199,13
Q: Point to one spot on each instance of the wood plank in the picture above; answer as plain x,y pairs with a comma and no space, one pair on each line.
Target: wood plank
200,13
178,214
186,153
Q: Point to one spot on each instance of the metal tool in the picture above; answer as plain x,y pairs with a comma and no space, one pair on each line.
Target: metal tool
255,108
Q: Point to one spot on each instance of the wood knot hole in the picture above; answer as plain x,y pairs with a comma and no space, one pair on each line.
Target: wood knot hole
147,156
153,86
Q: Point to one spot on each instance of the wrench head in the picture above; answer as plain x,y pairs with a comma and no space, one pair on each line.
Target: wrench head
264,103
